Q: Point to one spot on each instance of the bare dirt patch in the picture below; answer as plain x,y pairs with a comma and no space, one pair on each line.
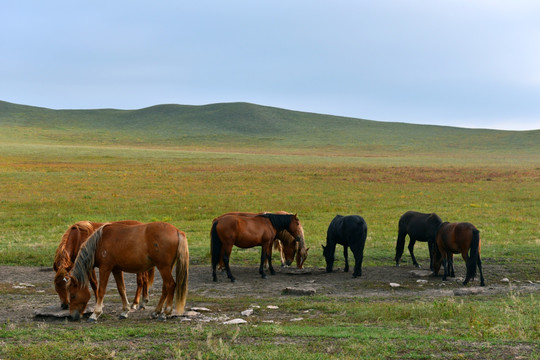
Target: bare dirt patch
26,289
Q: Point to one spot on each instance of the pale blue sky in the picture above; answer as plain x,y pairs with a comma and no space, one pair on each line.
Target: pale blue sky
460,63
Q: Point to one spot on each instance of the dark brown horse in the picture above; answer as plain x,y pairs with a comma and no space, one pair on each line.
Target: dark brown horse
456,238
287,245
247,232
67,251
119,248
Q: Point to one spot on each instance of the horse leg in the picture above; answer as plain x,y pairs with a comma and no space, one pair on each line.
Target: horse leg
281,253
140,288
166,275
171,284
358,257
269,259
261,267
103,280
400,244
451,265
411,251
121,286
94,282
226,255
346,256
445,265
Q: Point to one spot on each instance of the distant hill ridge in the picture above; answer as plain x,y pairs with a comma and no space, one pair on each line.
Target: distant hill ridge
244,124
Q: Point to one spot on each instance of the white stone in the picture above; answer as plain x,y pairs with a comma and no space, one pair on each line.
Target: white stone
505,280
395,285
235,322
200,309
272,307
247,312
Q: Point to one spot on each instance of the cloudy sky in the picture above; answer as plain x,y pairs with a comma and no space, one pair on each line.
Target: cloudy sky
469,63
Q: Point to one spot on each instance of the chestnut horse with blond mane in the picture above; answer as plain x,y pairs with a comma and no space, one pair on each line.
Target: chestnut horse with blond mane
119,248
249,231
67,251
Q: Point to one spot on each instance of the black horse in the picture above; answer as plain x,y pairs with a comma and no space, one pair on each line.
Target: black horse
421,227
349,231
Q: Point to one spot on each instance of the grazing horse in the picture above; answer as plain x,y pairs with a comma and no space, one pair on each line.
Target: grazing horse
247,232
349,231
455,238
284,242
419,227
116,248
67,251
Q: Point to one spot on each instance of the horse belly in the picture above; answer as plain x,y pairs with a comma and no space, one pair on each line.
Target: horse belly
243,242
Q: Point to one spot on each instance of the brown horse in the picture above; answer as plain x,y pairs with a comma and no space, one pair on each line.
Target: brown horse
247,232
67,251
455,238
116,248
284,242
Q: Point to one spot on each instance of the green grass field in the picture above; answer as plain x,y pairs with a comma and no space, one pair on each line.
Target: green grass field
184,166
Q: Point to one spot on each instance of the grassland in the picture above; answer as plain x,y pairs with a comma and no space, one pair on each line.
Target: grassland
184,166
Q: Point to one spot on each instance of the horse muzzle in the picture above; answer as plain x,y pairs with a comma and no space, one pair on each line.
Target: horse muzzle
75,315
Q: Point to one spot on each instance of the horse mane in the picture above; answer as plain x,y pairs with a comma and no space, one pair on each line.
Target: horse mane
279,221
62,257
85,259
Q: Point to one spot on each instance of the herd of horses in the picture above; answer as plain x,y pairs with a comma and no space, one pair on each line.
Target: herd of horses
134,247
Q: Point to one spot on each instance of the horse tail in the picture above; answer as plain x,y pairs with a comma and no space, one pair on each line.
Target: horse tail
215,244
182,273
474,255
400,243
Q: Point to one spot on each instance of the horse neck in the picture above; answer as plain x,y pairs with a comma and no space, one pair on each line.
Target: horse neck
285,237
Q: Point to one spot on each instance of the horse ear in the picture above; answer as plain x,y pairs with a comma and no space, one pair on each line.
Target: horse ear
307,250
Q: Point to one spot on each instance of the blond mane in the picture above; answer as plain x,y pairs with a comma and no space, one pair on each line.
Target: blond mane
84,263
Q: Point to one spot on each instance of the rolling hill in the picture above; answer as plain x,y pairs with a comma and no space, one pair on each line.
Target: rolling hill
248,126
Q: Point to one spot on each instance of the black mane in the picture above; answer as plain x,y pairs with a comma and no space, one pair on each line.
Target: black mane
279,221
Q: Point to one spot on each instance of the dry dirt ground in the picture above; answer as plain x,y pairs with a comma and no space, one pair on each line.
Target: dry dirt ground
25,290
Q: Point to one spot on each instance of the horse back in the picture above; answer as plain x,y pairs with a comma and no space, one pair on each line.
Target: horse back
347,230
419,226
456,237
137,248
245,231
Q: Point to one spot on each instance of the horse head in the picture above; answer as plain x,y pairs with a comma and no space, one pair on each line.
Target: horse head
297,231
301,256
328,252
60,285
79,295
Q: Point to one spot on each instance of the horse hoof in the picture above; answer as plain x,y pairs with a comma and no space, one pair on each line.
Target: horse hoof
162,317
233,280
91,320
122,316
